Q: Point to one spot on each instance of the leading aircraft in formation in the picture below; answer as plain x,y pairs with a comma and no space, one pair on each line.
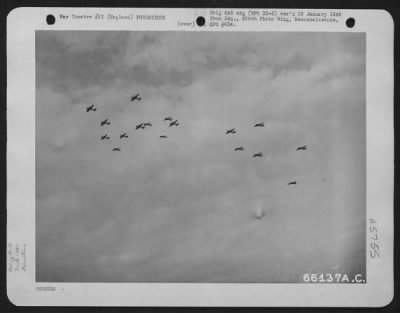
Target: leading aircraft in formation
116,149
231,131
259,155
292,183
91,108
259,124
136,97
239,149
301,148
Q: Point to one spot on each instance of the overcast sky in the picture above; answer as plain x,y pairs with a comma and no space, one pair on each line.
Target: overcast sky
182,209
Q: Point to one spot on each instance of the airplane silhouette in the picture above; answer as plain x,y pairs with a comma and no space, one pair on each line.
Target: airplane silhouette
105,137
260,154
140,126
169,118
174,123
147,124
292,183
259,124
124,135
239,149
116,149
231,131
105,122
136,97
301,148
91,108
163,136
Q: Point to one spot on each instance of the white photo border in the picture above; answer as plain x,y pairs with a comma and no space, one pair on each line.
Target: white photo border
23,290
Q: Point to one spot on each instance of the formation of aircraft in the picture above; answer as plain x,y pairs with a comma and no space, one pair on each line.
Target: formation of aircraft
105,122
136,97
260,154
260,214
105,137
173,122
91,108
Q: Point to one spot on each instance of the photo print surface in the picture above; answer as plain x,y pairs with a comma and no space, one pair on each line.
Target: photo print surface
199,157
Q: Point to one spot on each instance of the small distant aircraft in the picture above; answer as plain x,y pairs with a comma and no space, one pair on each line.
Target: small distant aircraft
169,118
136,97
174,123
260,154
91,108
116,149
105,122
105,137
148,124
231,131
301,148
259,124
163,136
292,183
140,126
124,135
239,149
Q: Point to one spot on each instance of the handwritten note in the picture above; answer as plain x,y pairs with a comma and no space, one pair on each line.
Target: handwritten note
16,257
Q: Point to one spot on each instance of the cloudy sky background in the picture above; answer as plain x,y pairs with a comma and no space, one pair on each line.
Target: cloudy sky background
183,209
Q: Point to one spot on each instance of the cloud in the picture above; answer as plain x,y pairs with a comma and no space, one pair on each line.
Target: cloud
181,209
77,59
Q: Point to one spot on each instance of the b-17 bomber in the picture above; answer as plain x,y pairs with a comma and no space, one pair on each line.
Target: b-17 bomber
105,137
91,108
105,122
136,97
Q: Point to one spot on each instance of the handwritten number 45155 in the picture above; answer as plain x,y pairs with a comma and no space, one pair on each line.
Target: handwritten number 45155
374,245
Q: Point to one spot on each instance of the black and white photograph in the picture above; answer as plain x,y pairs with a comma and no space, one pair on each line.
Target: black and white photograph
200,157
